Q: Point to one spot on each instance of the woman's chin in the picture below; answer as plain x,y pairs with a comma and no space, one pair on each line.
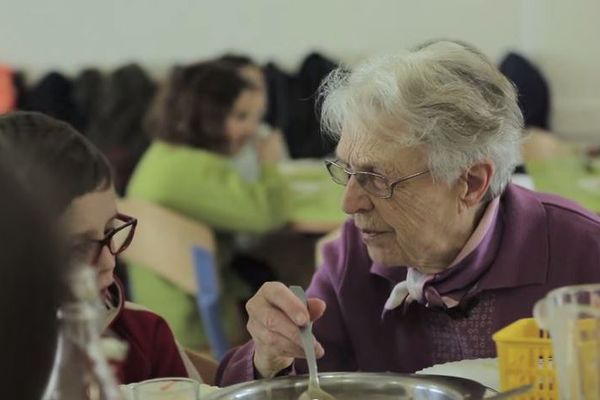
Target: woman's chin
379,255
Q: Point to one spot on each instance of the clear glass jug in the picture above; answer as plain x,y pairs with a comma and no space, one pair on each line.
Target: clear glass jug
571,315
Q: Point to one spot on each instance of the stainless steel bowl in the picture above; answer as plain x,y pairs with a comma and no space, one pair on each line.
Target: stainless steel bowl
358,386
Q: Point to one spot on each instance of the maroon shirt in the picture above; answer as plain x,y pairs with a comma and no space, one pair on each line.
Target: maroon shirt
153,352
541,242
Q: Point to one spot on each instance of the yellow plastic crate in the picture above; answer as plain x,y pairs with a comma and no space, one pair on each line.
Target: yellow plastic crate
525,357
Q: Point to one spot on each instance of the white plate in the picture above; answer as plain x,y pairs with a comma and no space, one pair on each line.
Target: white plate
482,370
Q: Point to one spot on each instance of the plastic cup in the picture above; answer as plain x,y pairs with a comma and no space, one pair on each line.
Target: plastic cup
167,389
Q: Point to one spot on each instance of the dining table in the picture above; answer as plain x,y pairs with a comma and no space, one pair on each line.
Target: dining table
574,177
315,200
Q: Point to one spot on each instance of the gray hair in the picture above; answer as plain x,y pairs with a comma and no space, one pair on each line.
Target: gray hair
445,95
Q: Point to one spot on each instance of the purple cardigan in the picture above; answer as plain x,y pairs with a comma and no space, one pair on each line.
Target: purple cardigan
544,242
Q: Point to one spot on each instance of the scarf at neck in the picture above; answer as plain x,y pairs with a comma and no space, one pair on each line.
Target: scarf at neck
447,288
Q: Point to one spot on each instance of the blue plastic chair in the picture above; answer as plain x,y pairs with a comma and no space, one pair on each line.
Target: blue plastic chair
207,299
180,250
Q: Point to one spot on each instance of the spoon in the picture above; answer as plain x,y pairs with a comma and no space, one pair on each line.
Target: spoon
509,394
314,391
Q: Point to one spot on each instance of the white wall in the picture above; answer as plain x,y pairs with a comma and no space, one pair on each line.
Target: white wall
38,35
69,34
563,37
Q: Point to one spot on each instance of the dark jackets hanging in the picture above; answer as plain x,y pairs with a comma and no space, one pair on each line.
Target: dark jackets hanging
87,96
292,102
534,93
117,129
53,96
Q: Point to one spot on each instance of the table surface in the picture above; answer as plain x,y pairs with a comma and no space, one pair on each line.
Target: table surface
568,177
315,199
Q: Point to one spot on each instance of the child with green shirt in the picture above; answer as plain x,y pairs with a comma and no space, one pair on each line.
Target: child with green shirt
204,116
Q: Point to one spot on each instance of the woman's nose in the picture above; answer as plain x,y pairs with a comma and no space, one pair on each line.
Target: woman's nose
355,199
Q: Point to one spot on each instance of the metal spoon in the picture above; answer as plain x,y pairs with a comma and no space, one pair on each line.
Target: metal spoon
509,394
314,391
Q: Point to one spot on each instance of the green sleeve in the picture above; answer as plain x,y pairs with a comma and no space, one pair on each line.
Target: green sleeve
217,195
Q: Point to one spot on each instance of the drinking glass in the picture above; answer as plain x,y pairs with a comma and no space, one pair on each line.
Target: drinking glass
167,389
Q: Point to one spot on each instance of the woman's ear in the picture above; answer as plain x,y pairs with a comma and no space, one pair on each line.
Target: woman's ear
476,183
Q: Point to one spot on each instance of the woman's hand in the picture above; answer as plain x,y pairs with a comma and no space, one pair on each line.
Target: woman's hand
275,316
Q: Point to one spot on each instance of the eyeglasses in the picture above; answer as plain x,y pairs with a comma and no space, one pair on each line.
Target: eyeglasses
375,184
117,239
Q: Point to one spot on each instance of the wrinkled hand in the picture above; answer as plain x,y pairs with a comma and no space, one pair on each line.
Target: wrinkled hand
275,316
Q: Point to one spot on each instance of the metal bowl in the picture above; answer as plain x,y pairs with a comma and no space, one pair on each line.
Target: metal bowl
358,385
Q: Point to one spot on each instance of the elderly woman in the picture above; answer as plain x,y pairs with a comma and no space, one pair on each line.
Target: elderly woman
441,249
